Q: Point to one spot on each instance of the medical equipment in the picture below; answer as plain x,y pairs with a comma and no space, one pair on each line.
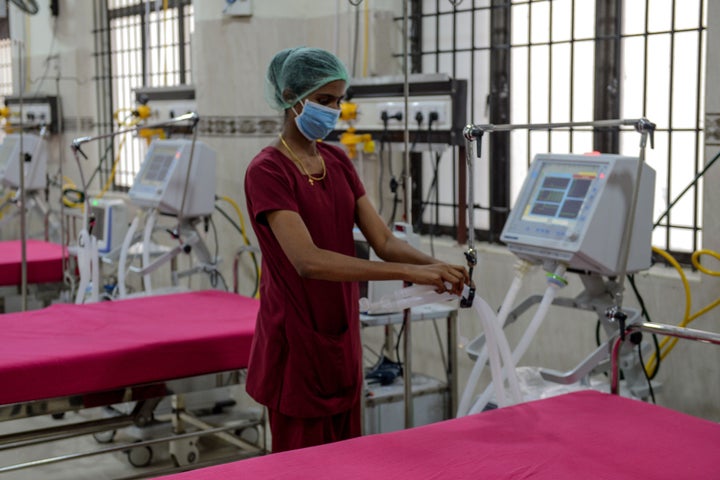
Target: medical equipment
170,182
552,438
27,153
177,177
402,298
138,350
375,291
572,208
33,153
589,213
111,222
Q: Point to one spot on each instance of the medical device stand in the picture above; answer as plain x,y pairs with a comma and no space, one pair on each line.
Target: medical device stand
604,297
75,146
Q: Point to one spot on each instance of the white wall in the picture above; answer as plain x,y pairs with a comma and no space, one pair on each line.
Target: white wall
229,60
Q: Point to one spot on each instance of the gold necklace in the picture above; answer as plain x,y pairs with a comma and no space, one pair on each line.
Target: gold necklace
296,159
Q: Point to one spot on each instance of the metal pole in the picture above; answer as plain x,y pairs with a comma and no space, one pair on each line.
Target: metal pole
657,329
23,196
407,186
407,181
545,126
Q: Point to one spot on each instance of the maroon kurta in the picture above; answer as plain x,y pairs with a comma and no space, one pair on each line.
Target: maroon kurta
306,357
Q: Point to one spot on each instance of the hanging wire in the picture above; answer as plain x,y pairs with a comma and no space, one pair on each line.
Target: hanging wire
355,3
455,3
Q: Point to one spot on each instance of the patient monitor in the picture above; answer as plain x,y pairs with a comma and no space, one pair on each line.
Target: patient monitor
573,209
176,177
34,156
111,222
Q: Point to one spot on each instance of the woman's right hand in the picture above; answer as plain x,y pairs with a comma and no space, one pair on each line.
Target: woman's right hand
439,275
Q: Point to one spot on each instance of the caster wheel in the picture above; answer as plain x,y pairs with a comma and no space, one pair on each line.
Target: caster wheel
140,456
58,416
184,454
249,434
104,437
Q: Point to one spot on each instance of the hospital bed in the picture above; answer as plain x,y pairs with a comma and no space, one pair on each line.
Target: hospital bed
44,270
44,262
587,434
70,357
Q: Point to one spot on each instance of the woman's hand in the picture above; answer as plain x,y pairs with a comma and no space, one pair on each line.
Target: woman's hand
440,275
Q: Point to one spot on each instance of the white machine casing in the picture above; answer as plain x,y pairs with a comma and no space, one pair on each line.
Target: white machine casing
583,230
161,181
111,222
35,155
377,289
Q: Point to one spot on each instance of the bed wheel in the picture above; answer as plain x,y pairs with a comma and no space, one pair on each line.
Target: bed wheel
249,434
184,452
104,437
140,456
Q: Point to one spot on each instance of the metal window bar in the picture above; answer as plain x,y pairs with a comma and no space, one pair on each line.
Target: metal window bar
136,44
443,52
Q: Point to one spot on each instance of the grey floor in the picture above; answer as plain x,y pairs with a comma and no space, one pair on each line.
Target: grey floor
112,465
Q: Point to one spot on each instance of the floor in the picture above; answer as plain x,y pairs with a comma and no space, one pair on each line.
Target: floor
116,463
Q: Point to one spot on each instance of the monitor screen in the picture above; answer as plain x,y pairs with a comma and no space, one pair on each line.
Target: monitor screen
559,192
99,213
159,165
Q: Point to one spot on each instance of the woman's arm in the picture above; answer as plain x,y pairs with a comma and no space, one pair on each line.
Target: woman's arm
386,245
313,262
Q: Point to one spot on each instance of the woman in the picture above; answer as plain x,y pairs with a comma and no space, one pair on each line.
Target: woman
304,197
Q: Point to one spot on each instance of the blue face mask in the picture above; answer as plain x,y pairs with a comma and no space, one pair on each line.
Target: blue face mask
316,121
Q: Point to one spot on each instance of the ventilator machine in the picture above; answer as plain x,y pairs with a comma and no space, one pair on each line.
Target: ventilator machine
574,213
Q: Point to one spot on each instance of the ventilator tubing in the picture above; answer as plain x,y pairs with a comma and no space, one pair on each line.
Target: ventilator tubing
499,355
88,264
127,242
518,352
403,298
524,343
147,242
521,268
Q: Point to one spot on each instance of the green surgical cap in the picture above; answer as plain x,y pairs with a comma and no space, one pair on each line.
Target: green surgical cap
298,72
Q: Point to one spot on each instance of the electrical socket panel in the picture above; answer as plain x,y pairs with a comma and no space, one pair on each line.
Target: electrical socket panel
162,110
426,108
32,114
370,111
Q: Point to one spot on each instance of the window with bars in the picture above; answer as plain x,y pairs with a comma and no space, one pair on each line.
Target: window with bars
138,44
550,61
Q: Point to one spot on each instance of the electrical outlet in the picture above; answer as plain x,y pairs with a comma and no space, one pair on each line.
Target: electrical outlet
424,109
167,109
33,114
393,111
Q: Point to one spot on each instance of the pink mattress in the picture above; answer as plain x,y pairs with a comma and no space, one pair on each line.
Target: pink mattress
577,435
44,262
67,350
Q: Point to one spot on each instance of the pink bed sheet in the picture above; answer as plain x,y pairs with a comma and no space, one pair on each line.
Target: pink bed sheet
573,436
77,349
44,262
